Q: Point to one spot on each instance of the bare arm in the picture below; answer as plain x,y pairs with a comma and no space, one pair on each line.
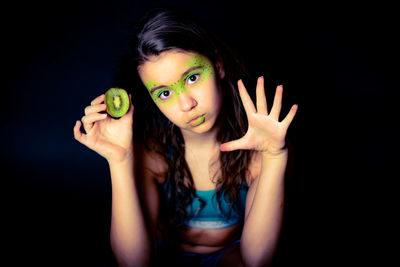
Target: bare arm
264,203
264,211
129,235
112,139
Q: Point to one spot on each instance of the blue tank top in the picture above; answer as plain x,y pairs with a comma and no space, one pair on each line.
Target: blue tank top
210,217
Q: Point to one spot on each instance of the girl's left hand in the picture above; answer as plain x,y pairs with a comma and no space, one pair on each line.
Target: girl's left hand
265,132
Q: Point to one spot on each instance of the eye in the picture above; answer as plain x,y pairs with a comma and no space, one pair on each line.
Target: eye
165,94
193,78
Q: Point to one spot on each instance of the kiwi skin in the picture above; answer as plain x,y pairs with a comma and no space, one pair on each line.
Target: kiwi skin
117,101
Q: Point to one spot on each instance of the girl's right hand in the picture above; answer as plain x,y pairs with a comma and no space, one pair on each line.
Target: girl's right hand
109,137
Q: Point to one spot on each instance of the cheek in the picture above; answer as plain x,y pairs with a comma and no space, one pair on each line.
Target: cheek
214,93
218,100
169,111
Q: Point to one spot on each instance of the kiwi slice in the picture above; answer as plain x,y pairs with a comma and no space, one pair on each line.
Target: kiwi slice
117,101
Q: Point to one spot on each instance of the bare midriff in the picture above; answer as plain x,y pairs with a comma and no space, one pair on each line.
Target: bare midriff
205,241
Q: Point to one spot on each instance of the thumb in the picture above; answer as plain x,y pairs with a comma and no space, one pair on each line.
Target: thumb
234,145
79,136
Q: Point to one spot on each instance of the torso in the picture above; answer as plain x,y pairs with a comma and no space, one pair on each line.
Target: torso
205,241
200,240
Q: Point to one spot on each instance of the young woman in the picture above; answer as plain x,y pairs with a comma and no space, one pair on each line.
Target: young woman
197,169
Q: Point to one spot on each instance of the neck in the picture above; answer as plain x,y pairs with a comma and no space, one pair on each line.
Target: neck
200,141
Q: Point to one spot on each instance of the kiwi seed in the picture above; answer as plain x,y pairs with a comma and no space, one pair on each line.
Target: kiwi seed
117,101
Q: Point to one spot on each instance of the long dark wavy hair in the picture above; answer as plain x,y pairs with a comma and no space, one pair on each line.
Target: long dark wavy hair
171,29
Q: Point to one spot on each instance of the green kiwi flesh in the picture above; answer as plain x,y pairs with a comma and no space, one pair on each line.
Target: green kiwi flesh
117,101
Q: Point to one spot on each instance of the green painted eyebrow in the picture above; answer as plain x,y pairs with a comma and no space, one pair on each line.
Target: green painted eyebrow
152,90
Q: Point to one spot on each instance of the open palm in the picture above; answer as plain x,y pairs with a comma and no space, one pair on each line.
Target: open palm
265,133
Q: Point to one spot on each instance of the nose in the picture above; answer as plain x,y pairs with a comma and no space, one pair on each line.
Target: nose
186,101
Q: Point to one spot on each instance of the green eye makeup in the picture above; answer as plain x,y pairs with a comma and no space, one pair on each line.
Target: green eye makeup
199,70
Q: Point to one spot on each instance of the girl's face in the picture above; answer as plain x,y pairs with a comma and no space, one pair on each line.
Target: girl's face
184,87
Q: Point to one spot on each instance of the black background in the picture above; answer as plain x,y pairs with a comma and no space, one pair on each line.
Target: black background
338,63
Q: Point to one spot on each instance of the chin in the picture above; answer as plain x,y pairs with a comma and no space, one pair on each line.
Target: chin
205,127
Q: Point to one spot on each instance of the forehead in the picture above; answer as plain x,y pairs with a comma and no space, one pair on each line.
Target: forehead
168,67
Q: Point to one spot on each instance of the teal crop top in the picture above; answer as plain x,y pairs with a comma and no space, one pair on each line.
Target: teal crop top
209,217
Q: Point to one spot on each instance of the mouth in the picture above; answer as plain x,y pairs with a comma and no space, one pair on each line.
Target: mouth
197,120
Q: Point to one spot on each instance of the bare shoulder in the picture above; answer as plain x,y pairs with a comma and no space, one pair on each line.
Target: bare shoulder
153,165
254,168
149,170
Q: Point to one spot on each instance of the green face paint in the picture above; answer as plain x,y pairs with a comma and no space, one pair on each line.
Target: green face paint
198,121
199,69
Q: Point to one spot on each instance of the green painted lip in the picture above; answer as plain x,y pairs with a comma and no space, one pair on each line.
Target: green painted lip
198,120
